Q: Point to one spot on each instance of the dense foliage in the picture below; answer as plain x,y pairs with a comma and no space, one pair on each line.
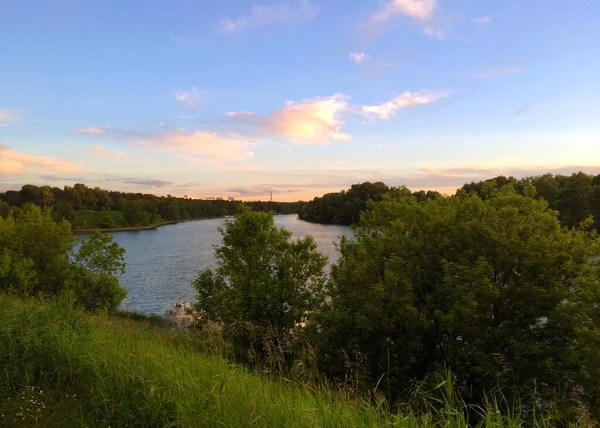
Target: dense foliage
345,207
37,257
87,207
495,289
264,286
575,197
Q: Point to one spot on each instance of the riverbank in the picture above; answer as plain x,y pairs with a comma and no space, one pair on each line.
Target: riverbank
140,228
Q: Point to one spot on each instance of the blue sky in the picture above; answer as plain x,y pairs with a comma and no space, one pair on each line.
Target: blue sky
239,98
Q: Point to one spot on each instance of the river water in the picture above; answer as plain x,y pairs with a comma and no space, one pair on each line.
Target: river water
162,263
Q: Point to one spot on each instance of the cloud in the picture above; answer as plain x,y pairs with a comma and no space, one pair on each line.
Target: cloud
435,33
522,110
483,20
200,143
12,162
311,121
357,57
416,9
190,99
7,117
498,71
291,12
405,100
90,131
261,190
145,182
105,152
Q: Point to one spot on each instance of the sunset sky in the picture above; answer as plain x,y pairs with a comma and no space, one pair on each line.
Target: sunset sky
242,97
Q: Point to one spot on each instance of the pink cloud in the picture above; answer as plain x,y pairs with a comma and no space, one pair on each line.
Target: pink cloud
417,9
90,131
313,121
203,143
12,162
105,152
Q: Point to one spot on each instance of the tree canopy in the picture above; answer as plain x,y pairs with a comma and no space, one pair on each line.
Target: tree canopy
495,289
38,257
265,282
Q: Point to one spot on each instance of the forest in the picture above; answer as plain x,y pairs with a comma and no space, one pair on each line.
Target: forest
88,208
575,197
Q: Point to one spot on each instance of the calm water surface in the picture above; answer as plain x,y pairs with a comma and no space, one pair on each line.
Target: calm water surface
162,263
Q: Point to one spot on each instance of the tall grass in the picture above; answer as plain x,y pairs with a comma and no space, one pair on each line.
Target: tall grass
60,367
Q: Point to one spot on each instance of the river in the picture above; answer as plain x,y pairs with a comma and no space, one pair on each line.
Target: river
162,263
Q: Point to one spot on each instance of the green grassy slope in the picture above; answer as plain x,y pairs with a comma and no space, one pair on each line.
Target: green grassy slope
61,368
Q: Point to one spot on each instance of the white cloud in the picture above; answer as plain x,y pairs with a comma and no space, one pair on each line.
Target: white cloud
190,99
312,121
285,13
406,99
483,20
7,117
432,32
357,57
91,131
417,9
105,152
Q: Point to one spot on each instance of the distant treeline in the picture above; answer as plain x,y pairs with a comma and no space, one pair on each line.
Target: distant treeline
86,207
575,197
345,207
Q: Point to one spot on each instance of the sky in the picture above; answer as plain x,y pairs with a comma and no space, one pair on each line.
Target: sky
296,97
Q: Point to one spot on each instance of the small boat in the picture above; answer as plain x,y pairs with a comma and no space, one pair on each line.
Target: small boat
182,314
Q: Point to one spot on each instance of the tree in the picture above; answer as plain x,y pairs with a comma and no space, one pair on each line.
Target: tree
496,289
37,258
265,283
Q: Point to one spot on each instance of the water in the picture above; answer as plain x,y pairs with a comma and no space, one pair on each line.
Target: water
162,263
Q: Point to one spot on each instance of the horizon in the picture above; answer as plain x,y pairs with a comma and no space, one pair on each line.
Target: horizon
297,97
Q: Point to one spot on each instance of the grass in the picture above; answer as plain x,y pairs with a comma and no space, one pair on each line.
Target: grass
90,219
60,367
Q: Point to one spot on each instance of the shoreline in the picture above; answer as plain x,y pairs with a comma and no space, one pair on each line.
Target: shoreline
141,228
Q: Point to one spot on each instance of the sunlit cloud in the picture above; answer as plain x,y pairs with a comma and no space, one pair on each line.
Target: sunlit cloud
101,150
190,99
7,117
357,57
417,9
405,100
482,20
313,121
12,162
200,143
90,131
288,13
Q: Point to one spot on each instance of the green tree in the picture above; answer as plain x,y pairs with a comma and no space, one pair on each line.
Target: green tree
95,268
36,257
496,289
264,286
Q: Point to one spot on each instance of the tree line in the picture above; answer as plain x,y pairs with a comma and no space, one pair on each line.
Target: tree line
344,207
86,207
575,197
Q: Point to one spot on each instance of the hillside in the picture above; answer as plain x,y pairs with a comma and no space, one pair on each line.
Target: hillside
64,368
